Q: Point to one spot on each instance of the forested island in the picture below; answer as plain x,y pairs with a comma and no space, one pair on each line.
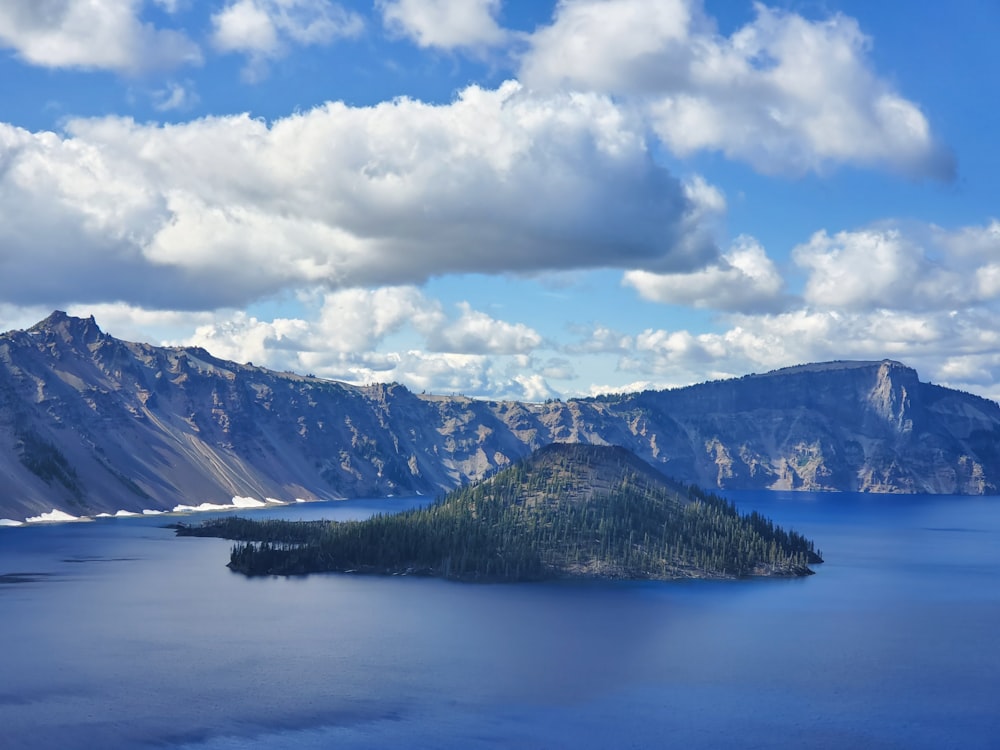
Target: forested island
568,510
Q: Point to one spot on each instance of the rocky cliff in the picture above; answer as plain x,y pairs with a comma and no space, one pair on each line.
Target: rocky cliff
89,423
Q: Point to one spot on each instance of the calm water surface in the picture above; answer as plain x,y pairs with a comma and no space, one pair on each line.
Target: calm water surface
116,634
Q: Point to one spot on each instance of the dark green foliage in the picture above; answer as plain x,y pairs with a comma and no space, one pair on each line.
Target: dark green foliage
567,511
46,462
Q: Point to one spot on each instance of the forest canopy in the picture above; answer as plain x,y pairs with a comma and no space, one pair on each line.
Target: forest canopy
567,510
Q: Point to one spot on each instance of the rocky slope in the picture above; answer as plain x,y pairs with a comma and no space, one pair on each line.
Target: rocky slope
89,423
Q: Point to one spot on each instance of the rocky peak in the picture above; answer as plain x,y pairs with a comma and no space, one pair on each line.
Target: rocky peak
69,329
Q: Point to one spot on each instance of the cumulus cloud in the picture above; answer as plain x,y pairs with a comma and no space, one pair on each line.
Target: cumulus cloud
957,348
743,280
445,24
92,35
473,375
266,29
922,294
783,93
893,267
276,344
496,181
345,323
477,332
424,346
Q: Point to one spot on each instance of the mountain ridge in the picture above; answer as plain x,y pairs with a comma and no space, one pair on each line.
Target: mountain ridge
90,423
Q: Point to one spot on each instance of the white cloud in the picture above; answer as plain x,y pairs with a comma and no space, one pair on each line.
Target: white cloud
93,35
743,280
601,340
276,344
783,93
957,349
390,333
266,29
477,332
915,268
174,96
446,24
245,26
533,387
496,181
627,46
354,320
473,375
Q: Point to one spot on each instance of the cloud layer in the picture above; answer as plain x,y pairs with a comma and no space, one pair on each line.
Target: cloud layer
351,209
266,29
92,35
783,93
339,196
445,24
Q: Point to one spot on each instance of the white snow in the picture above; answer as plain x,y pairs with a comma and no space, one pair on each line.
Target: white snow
202,507
10,522
148,512
273,500
53,516
248,502
124,514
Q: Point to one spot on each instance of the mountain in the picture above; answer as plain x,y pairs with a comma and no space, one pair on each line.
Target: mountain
566,511
91,424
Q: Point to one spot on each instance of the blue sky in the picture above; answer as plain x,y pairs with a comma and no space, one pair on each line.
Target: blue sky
509,199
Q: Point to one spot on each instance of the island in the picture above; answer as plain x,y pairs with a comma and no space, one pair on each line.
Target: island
566,511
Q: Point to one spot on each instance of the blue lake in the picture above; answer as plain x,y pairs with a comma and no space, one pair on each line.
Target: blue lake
116,634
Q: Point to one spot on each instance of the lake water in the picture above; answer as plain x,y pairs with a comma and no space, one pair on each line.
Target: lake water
116,634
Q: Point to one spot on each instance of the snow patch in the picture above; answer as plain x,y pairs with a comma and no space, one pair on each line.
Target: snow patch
238,502
148,512
125,514
248,502
202,507
10,522
54,516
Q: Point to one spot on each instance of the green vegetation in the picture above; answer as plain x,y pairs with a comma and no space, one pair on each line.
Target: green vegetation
568,510
46,461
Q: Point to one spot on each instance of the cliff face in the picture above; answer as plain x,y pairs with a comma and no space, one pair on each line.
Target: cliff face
89,423
863,426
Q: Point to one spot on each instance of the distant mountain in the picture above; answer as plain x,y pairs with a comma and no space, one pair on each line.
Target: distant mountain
568,510
90,424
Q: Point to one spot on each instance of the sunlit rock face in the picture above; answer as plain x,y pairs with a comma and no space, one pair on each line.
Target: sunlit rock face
92,424
862,426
